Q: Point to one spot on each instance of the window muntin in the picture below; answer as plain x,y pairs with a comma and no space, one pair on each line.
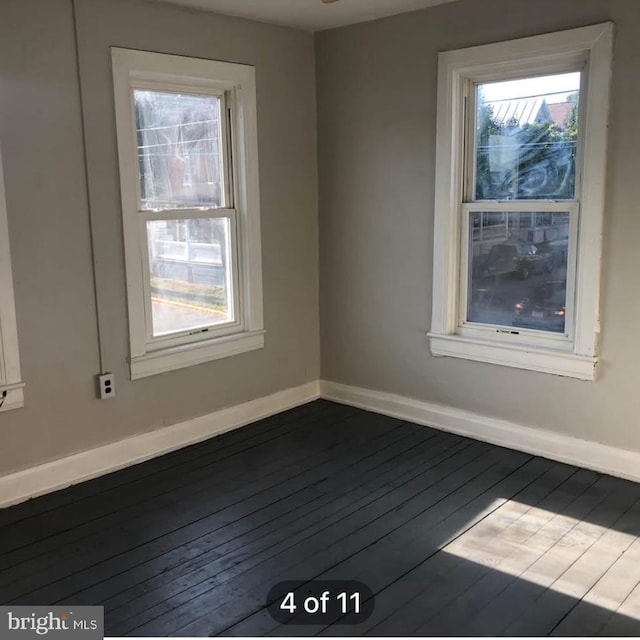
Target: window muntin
527,138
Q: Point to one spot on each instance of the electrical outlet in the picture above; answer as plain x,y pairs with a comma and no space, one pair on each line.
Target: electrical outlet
106,386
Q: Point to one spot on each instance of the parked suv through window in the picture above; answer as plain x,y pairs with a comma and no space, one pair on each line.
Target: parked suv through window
516,258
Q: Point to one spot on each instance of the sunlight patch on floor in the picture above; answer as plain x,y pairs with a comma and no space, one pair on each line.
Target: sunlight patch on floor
573,557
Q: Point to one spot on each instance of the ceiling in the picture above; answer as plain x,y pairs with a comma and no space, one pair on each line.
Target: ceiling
312,15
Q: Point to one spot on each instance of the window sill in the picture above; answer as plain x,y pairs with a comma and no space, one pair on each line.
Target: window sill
14,399
155,362
521,357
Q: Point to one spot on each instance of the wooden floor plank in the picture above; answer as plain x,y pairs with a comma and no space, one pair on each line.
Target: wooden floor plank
242,554
380,565
542,616
316,552
436,581
349,518
412,522
594,611
97,487
625,620
468,586
608,498
162,556
258,483
180,479
191,561
454,536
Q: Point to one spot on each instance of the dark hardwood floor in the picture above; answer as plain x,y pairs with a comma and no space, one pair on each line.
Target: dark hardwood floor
453,536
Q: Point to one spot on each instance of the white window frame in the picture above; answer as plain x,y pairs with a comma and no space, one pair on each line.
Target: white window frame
11,385
574,354
235,85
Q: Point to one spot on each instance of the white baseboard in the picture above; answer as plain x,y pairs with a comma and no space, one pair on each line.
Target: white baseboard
51,476
583,453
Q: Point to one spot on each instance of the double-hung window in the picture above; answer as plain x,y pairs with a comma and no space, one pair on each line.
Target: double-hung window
11,385
519,201
187,146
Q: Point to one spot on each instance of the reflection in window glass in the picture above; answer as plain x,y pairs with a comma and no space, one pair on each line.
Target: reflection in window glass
190,273
527,133
518,269
179,150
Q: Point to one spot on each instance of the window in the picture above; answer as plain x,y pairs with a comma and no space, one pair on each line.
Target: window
187,145
11,385
521,152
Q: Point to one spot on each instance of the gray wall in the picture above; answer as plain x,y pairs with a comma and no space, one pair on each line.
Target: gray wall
49,220
377,128
376,84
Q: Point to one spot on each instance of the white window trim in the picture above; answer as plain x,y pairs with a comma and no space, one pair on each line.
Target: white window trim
10,377
538,54
141,68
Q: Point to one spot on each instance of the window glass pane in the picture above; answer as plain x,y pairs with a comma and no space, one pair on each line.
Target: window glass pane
518,269
527,132
190,268
179,150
